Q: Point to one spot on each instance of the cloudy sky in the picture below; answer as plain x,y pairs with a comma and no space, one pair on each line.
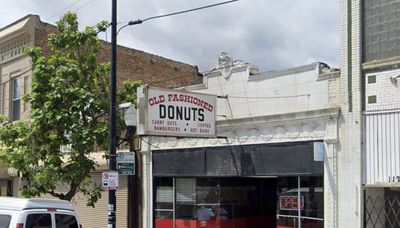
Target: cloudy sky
272,34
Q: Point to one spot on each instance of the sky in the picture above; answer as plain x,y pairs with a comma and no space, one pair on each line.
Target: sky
270,34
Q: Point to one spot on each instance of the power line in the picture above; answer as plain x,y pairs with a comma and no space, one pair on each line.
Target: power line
62,10
68,7
140,21
189,10
87,3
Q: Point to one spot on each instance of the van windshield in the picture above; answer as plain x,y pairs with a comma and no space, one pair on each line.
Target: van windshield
5,221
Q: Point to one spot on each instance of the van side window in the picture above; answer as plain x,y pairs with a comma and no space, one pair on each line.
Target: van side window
42,220
66,221
5,221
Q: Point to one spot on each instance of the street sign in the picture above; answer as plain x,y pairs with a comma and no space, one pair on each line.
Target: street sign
110,181
126,163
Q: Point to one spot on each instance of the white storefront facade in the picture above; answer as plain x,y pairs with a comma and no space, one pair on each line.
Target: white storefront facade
381,157
272,164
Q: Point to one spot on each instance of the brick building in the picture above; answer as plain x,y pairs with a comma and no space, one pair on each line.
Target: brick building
15,71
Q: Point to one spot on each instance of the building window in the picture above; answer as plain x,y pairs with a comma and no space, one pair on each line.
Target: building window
372,99
371,79
380,29
16,98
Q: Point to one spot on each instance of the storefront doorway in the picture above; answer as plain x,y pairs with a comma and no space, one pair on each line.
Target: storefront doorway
232,202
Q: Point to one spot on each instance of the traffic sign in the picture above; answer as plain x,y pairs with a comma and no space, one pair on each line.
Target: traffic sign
126,163
110,180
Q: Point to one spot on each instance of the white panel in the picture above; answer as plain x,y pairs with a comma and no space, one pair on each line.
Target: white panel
382,146
165,194
185,190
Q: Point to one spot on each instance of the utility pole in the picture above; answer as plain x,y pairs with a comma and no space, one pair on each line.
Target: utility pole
112,207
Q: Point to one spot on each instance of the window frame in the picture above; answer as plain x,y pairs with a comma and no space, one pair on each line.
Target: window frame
15,98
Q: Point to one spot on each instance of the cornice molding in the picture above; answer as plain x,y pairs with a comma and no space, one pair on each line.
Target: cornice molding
331,113
315,127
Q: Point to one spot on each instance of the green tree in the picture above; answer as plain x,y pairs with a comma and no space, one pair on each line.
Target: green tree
69,107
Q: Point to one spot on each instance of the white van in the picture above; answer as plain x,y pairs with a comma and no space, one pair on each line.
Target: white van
37,213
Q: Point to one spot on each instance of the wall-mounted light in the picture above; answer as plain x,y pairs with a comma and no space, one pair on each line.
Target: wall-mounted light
394,79
130,117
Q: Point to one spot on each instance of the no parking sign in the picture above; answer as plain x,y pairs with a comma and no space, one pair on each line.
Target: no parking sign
110,180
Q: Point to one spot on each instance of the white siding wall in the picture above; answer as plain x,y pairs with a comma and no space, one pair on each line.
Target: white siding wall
387,91
96,218
382,146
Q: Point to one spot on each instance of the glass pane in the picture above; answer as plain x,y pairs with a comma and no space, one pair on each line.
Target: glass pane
208,200
42,220
164,214
16,109
16,88
185,204
5,221
313,193
164,193
236,202
66,221
287,208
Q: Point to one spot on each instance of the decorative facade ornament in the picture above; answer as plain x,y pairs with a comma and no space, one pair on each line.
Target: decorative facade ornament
241,135
225,65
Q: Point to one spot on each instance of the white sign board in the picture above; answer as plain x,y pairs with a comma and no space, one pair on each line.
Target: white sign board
110,180
178,113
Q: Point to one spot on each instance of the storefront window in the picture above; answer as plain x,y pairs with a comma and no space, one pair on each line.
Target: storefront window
287,213
300,201
164,202
313,194
185,201
239,202
215,202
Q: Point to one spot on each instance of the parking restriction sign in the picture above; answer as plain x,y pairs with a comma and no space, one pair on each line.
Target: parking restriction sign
110,181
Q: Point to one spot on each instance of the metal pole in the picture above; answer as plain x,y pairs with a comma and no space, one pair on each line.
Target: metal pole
113,114
134,189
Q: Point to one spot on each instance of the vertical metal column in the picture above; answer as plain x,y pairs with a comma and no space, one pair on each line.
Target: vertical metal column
299,201
113,114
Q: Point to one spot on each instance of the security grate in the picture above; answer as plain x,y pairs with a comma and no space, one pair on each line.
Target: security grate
382,212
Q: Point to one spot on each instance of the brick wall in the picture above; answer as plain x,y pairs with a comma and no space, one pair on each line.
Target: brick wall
41,34
153,70
134,64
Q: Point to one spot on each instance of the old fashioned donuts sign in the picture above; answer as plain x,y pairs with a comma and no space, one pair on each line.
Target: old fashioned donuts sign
179,113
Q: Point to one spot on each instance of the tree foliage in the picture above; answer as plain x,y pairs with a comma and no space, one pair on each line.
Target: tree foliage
69,107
